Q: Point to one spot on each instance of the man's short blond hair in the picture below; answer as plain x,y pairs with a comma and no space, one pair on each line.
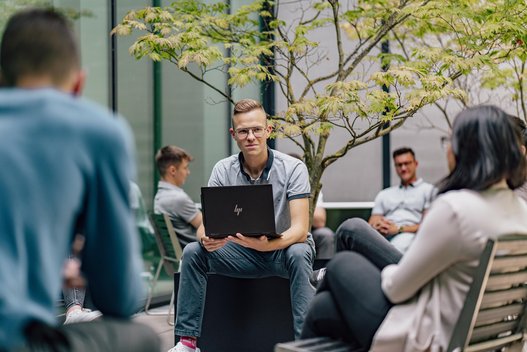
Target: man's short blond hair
246,105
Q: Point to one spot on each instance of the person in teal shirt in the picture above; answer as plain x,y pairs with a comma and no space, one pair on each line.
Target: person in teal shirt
66,166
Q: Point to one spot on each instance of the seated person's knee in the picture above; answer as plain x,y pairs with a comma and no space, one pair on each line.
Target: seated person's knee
299,252
192,249
323,232
343,258
352,225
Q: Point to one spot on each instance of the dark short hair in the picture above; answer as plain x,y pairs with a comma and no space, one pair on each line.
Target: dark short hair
170,155
522,128
38,42
401,151
486,146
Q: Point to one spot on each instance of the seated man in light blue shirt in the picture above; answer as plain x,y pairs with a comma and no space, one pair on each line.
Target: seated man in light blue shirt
172,163
396,214
398,210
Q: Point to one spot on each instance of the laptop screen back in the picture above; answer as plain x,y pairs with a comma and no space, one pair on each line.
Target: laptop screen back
246,209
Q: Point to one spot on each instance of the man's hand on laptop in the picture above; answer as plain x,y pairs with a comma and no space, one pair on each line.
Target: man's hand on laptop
260,243
212,244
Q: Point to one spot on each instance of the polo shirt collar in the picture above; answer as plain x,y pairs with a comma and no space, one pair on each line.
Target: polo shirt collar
166,185
266,170
413,184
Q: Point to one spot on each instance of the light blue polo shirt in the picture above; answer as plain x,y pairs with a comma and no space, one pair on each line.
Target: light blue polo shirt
288,176
404,205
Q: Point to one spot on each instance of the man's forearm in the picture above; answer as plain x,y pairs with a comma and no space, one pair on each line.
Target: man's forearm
289,237
200,232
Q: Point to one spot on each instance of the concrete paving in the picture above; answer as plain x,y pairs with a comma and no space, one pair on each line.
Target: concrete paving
160,326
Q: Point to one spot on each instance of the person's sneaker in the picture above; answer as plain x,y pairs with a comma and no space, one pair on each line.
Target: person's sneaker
82,315
182,348
317,276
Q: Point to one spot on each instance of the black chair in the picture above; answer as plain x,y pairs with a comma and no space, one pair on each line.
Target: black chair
245,314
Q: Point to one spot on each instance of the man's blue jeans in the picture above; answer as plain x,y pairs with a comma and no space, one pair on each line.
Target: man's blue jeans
294,262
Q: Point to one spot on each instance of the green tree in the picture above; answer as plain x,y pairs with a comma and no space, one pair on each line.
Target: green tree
505,85
502,82
9,7
433,44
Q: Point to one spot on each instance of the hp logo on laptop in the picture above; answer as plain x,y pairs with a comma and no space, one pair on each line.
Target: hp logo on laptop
237,210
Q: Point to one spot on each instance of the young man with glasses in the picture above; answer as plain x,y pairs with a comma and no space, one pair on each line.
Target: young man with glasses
290,256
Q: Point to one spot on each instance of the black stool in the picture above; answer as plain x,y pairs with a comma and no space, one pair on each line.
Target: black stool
245,314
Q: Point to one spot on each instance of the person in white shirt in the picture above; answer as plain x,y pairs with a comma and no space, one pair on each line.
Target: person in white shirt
398,210
398,304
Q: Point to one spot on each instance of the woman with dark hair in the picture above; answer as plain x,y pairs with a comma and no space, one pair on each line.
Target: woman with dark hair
414,304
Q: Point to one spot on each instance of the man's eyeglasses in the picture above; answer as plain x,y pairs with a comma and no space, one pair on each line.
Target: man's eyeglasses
445,142
243,133
406,163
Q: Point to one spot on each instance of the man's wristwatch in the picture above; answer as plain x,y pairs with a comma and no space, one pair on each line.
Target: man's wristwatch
400,229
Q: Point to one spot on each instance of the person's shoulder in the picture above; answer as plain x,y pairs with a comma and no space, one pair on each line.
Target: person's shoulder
171,198
226,166
425,185
388,190
84,117
167,190
64,113
94,114
484,205
283,157
101,126
461,199
227,162
62,104
286,161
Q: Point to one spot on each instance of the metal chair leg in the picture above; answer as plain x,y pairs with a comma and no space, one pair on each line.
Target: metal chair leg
170,308
151,288
150,294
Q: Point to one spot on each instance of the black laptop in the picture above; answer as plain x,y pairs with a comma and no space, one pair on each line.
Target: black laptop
247,209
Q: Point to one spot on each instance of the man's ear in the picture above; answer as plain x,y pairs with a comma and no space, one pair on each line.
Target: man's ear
523,149
231,131
78,85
